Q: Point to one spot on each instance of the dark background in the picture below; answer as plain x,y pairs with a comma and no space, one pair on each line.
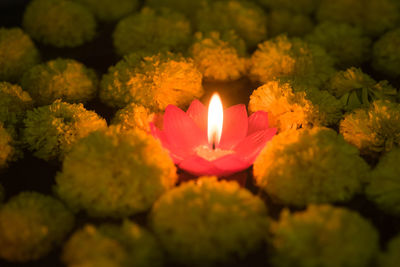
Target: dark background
31,173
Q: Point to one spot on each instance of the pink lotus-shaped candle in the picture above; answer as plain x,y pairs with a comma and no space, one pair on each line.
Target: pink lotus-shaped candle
222,143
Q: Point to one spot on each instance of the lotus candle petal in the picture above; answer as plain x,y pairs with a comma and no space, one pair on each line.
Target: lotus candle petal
184,134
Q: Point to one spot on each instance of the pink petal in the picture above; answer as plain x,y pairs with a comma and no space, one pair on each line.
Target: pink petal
258,121
198,112
235,126
249,148
229,164
177,156
182,133
198,166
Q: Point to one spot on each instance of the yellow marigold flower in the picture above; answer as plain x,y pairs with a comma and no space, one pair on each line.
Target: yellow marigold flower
299,6
373,130
281,57
115,173
299,167
391,256
14,102
291,109
220,218
283,21
31,225
152,31
65,79
353,49
7,150
109,11
134,116
60,23
323,236
51,131
386,55
373,16
219,58
188,8
384,187
17,52
152,81
245,18
112,245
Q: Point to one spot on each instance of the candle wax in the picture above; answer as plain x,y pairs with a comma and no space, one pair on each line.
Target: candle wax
207,153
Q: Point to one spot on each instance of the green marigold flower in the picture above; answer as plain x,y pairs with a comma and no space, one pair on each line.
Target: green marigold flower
152,81
219,57
386,55
115,173
373,130
323,236
152,31
205,222
188,8
244,17
373,16
134,116
283,21
50,131
300,167
112,245
17,54
327,110
31,225
14,102
391,256
281,57
65,79
109,11
357,89
7,150
299,6
384,186
346,43
289,107
60,23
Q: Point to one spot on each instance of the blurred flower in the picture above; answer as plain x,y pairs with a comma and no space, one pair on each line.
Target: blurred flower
203,222
59,23
17,52
385,54
31,225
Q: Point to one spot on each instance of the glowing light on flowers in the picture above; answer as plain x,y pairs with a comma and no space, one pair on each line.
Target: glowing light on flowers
215,120
237,141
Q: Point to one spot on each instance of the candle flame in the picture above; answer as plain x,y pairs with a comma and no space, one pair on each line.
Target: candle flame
215,120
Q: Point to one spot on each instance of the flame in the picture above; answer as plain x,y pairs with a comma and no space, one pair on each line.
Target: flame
215,120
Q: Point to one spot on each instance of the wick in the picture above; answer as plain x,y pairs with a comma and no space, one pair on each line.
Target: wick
213,146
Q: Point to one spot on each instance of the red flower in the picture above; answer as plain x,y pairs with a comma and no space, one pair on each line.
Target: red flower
185,136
